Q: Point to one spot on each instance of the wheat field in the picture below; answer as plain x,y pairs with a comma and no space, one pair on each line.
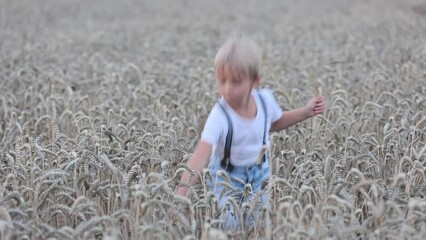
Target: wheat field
102,103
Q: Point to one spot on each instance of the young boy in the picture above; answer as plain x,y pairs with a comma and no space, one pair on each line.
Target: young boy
235,136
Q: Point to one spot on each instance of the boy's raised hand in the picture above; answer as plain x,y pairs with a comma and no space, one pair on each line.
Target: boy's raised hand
315,106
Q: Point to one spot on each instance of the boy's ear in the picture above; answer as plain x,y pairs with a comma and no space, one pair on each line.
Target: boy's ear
256,81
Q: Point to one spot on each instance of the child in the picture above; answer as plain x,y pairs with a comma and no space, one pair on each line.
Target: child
236,130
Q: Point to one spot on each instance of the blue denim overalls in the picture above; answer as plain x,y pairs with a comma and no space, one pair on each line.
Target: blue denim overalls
241,180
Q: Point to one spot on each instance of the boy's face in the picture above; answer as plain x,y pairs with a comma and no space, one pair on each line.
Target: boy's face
233,86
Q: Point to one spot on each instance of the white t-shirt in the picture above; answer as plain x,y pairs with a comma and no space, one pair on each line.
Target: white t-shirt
247,138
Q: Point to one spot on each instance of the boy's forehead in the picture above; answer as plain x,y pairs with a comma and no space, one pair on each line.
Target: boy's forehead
228,71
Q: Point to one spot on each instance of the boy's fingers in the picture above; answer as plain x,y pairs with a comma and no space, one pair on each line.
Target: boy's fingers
319,109
319,104
319,99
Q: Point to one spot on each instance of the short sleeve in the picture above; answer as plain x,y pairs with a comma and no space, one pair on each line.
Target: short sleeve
214,126
274,110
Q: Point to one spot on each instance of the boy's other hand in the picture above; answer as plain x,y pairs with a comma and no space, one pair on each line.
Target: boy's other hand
315,106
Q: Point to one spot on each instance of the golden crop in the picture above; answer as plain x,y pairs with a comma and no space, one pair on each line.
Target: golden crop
102,102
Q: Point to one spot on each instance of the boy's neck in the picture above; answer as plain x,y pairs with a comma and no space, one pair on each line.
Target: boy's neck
246,108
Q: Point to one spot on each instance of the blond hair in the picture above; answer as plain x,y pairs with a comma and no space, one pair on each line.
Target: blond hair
242,55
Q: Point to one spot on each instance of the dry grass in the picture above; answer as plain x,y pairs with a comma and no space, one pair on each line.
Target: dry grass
103,101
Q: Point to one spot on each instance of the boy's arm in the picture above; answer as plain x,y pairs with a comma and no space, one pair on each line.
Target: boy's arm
197,162
314,107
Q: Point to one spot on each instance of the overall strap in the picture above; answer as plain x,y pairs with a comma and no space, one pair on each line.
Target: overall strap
263,159
226,160
266,116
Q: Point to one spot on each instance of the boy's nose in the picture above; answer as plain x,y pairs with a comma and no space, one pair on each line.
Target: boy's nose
228,88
